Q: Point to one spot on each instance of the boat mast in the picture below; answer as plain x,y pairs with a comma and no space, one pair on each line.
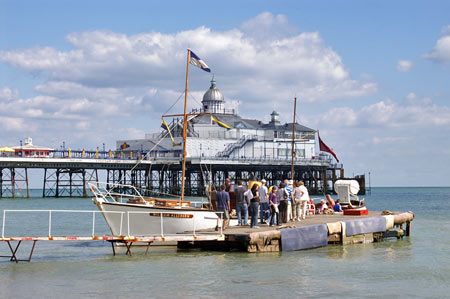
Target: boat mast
293,140
183,169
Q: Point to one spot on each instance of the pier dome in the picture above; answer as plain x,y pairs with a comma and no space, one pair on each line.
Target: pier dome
213,101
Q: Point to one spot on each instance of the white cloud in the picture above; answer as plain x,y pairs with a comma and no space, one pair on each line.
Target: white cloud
413,113
7,93
441,51
267,26
12,123
248,66
384,141
404,65
113,80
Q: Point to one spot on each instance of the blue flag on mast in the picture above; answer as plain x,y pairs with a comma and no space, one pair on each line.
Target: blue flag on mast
195,60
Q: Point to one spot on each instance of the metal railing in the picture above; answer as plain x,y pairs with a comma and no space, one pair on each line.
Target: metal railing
128,213
51,212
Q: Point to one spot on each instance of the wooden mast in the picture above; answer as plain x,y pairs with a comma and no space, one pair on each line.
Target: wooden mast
293,141
183,169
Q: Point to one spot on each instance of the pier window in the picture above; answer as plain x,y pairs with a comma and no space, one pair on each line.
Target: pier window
283,152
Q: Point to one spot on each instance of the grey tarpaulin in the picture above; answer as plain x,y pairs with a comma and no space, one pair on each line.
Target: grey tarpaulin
365,225
305,237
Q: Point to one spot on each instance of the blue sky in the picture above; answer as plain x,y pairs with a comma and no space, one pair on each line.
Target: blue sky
372,76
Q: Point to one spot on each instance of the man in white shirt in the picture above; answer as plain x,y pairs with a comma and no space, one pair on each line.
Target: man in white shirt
303,199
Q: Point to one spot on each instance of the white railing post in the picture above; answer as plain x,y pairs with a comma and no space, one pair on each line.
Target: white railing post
121,223
162,225
93,223
3,225
128,222
221,226
49,223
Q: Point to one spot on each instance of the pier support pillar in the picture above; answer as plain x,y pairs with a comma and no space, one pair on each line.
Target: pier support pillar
14,183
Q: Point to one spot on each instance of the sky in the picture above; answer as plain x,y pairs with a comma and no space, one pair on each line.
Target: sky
372,76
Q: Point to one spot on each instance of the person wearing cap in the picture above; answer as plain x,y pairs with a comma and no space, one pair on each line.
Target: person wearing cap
263,201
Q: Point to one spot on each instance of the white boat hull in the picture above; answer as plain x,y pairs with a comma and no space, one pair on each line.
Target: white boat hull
150,220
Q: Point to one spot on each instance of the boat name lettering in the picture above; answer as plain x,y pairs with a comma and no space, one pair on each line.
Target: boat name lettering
172,215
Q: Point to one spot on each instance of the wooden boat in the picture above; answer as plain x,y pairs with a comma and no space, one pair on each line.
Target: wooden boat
129,213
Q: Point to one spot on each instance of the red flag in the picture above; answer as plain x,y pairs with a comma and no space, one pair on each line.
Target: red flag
324,148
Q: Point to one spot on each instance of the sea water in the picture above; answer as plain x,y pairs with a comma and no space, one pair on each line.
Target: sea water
416,266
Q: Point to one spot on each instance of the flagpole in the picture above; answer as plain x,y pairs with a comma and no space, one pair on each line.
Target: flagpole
293,140
183,169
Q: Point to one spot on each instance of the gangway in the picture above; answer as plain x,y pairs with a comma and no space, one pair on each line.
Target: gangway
128,240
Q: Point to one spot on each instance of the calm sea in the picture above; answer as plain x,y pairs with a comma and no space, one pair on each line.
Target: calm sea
418,266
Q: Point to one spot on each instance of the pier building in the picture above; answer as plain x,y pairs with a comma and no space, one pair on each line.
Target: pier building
220,144
217,132
28,149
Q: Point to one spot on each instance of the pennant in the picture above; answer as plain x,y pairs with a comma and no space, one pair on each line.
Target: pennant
196,61
324,148
223,125
166,127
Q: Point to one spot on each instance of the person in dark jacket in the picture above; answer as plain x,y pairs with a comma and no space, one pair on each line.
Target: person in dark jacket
242,203
223,207
254,205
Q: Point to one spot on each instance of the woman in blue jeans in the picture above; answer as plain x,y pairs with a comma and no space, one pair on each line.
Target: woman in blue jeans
254,205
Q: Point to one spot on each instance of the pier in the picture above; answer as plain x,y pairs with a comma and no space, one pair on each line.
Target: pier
67,174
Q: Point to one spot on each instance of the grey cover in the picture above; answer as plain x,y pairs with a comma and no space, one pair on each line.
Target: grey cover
305,237
365,225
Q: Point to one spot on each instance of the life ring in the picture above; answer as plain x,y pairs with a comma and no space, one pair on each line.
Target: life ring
92,189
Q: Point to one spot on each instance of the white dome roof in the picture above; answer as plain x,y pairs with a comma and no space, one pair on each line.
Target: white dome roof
213,93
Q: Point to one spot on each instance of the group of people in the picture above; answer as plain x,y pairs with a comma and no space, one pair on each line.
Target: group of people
275,205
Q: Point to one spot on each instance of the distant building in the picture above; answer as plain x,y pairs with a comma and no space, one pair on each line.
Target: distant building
30,150
221,133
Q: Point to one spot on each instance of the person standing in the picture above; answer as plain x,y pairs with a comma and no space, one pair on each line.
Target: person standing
227,185
242,203
254,205
296,203
223,207
290,199
273,202
264,201
282,196
303,199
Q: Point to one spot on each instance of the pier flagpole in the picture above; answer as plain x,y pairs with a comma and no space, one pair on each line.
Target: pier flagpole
183,169
293,141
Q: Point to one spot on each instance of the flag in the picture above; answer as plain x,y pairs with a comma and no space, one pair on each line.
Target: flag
324,148
166,127
195,60
223,125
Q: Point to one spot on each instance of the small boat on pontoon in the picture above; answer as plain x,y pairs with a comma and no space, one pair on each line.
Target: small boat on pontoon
347,191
